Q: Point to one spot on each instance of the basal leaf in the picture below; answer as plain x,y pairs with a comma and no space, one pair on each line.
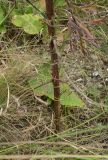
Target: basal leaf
28,22
33,24
69,98
18,21
42,86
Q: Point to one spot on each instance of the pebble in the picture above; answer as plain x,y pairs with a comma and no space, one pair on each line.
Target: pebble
95,74
106,79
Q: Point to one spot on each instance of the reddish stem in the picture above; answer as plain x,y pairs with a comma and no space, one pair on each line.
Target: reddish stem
54,60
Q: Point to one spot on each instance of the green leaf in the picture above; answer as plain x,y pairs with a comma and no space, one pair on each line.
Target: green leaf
30,23
69,98
43,77
18,20
42,86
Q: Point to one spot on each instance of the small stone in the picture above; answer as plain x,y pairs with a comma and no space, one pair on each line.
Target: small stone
106,79
95,74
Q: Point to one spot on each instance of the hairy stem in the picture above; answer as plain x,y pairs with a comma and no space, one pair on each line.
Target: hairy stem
54,60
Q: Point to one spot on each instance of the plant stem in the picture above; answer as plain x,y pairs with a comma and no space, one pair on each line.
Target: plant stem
54,61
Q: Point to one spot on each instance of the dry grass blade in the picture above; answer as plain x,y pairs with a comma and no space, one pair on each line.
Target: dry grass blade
51,156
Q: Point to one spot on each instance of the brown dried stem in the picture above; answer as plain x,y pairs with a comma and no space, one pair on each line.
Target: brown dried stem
54,60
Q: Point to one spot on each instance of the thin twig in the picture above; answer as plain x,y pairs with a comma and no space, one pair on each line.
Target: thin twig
7,15
42,13
41,101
